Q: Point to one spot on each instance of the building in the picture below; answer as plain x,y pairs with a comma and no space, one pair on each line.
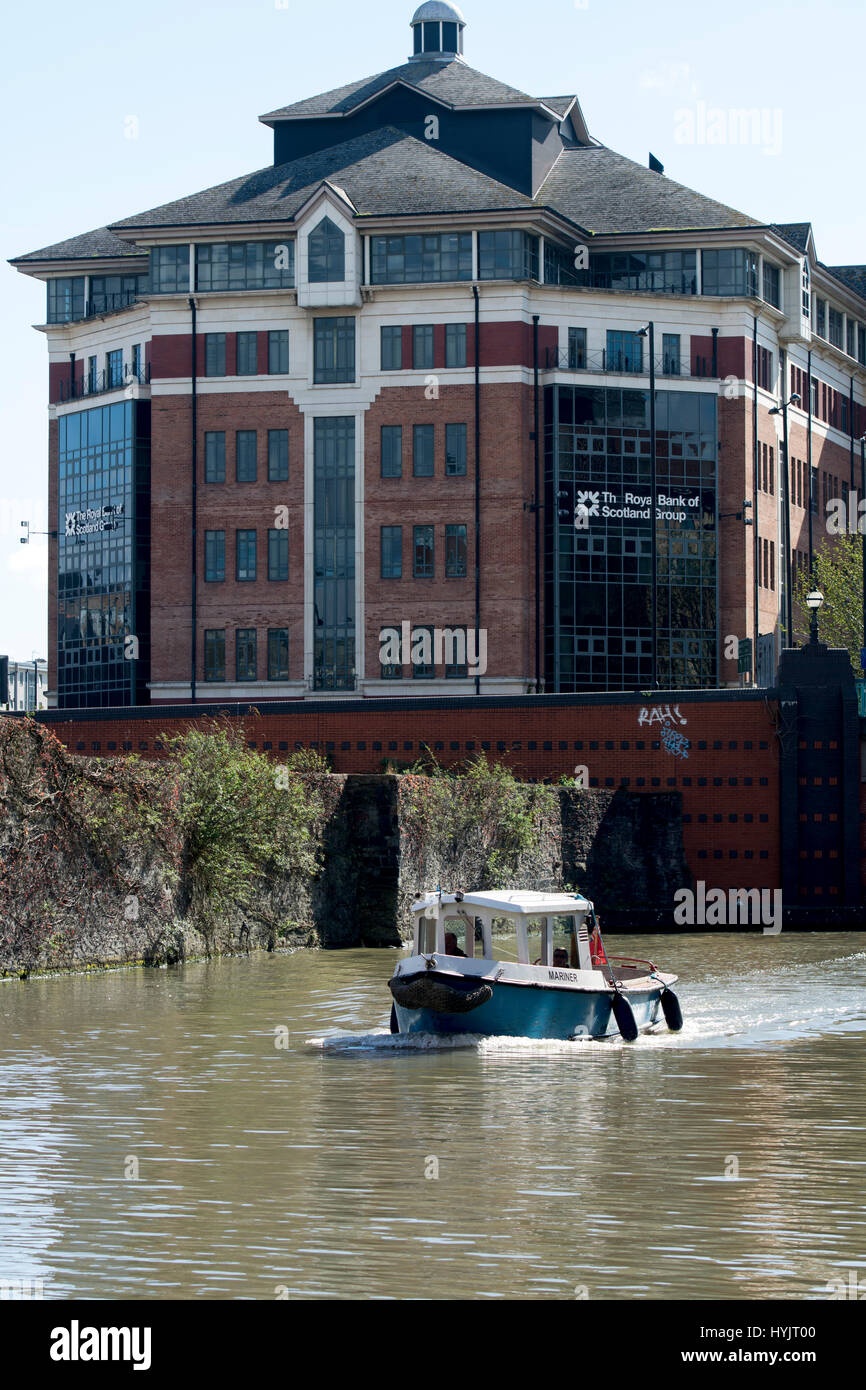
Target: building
25,684
377,419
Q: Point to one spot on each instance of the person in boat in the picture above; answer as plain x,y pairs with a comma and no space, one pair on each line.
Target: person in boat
451,947
596,947
560,957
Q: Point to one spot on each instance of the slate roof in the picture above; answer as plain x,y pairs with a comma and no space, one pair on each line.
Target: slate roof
605,192
454,83
99,243
852,276
795,233
384,171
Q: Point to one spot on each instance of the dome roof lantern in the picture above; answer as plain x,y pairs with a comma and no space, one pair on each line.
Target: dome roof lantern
437,31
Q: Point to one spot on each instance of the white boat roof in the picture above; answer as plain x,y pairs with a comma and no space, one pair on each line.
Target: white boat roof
517,904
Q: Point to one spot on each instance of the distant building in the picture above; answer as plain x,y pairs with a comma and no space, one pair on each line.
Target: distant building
402,377
28,683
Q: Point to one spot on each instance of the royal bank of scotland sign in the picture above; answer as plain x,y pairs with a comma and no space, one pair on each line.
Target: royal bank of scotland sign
94,519
679,505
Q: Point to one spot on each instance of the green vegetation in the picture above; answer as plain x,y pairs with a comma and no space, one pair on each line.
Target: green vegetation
838,573
479,814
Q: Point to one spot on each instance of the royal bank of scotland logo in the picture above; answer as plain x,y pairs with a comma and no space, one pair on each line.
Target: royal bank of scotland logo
587,503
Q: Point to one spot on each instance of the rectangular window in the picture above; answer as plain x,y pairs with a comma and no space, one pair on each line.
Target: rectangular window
214,556
246,468
392,451
422,347
664,272
245,265
114,368
108,292
455,345
772,564
422,550
505,255
398,260
422,451
771,468
326,253
215,654
66,299
278,653
772,289
214,354
820,317
851,338
92,374
422,653
391,337
454,651
278,553
248,354
390,670
136,361
278,456
215,456
733,272
624,351
455,451
392,552
246,556
861,344
835,327
333,350
245,654
577,348
671,354
169,269
455,552
278,352
765,368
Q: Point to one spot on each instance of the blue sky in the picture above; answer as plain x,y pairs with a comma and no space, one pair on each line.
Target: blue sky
195,77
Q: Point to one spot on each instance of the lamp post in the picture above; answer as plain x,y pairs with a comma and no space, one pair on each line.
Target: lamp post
649,332
786,515
813,603
861,525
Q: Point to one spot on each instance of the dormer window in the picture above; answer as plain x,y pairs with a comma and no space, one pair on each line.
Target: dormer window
326,251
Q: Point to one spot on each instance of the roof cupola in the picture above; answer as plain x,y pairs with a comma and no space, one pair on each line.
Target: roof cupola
437,30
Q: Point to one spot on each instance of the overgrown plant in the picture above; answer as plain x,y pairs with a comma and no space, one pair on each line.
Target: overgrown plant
480,813
837,572
241,816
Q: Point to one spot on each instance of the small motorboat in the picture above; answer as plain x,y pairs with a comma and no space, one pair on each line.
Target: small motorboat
561,984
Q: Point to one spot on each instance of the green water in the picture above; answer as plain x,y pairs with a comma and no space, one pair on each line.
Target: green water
285,1143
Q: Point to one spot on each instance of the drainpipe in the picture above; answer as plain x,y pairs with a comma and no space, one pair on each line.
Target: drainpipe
756,543
477,484
809,450
537,501
193,572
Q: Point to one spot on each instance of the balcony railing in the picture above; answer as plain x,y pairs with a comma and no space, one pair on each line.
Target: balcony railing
108,303
649,281
97,383
623,364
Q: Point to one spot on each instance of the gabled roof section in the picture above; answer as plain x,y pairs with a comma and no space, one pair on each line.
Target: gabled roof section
605,192
453,84
99,243
384,172
797,234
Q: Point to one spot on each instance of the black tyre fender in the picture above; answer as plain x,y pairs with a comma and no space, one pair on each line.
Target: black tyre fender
395,1027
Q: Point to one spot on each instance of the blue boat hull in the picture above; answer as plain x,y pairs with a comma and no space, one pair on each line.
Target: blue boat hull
524,1011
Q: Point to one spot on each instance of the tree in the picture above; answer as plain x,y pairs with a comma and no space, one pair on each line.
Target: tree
837,572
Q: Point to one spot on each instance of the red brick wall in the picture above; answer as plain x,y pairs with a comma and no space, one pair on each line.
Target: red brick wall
506,529
731,771
221,506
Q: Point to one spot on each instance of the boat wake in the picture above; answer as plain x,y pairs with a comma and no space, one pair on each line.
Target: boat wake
758,1008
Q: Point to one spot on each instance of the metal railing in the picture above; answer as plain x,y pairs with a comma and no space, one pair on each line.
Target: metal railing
623,364
97,383
649,281
108,303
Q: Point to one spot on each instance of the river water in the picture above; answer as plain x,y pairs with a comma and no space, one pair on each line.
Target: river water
247,1128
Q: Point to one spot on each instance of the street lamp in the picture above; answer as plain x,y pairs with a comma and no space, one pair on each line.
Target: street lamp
649,331
786,515
861,524
813,603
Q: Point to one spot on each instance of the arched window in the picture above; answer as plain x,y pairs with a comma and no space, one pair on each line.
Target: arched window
327,253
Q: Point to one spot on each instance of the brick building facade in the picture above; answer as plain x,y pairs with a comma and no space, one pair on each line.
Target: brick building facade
389,383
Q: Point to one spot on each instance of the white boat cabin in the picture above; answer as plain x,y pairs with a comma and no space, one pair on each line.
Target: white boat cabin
552,929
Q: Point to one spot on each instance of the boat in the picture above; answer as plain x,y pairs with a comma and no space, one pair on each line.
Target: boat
562,983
